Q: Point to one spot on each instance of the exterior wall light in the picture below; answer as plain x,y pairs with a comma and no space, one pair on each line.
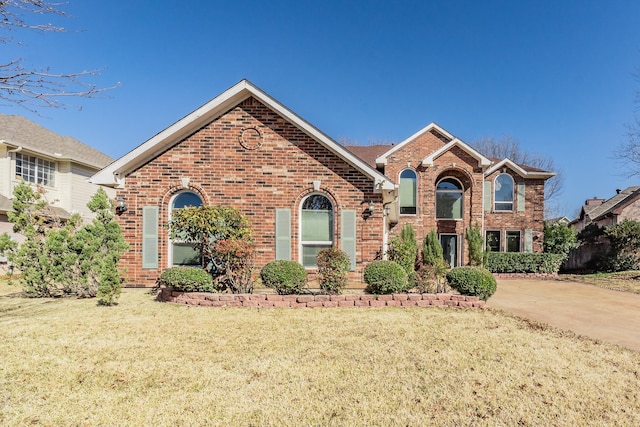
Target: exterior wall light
121,206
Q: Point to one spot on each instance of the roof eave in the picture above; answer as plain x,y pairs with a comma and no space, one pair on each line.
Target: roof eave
113,175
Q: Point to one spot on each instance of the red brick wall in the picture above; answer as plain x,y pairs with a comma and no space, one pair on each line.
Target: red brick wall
455,163
257,176
461,165
532,217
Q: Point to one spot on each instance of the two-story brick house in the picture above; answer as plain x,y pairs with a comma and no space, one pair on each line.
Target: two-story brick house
302,191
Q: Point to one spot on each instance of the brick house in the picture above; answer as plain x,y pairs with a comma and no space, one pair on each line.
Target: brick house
625,204
302,191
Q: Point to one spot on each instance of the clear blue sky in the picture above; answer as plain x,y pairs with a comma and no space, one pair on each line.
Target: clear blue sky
555,75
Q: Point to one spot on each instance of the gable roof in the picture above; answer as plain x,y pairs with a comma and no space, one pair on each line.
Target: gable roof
114,174
382,159
21,133
621,199
523,171
482,160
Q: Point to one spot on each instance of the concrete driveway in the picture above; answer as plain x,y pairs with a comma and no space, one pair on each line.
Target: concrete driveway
611,316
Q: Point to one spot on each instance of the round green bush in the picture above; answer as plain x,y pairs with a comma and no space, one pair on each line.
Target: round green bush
385,277
473,281
286,277
186,279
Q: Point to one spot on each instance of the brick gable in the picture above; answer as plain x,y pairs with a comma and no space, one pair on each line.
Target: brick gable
252,159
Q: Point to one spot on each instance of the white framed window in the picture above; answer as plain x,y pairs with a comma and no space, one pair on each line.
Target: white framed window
503,193
182,253
512,241
449,199
316,228
493,240
408,192
35,170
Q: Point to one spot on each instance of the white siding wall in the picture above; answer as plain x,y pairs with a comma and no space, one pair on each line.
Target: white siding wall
5,171
82,190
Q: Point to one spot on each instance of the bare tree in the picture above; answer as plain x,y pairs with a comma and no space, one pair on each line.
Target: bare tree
37,88
509,148
628,153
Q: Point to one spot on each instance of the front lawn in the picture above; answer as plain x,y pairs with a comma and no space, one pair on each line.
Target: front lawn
626,281
70,362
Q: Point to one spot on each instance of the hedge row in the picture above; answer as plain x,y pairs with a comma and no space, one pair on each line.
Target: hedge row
520,262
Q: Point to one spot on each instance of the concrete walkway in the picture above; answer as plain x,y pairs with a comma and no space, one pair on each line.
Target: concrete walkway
611,316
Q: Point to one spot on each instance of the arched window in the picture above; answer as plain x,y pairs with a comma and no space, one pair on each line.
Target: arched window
408,192
184,253
503,193
449,199
316,227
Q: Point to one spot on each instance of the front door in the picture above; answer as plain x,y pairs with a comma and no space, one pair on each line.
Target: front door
449,244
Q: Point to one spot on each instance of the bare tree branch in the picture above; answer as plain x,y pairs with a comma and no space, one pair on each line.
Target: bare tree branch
509,148
628,153
33,89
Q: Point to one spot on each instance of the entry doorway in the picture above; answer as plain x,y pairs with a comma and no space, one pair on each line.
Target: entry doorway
449,243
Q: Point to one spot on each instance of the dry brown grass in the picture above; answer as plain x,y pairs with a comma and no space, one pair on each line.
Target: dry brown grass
626,281
69,362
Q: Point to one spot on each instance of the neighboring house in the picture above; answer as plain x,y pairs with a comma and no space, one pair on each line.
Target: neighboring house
624,205
59,164
302,191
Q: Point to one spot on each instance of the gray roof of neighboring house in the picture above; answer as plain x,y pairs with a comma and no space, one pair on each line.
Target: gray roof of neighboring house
6,206
598,211
21,132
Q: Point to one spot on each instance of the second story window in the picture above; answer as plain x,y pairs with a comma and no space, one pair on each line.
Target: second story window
408,192
35,170
449,199
503,197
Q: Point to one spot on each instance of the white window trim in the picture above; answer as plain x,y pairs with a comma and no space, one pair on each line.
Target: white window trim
506,243
415,174
500,237
170,210
15,178
301,244
513,192
461,192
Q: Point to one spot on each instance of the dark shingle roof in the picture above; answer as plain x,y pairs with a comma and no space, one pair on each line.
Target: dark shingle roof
369,153
6,205
21,132
598,211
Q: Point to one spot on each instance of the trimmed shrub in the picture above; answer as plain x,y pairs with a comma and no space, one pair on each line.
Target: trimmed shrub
333,265
521,262
286,277
473,281
404,249
385,277
186,279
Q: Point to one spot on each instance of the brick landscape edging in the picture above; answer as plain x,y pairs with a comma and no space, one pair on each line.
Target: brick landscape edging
549,276
312,301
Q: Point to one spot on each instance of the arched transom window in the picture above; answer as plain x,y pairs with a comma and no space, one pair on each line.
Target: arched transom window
449,199
316,227
408,192
503,193
184,253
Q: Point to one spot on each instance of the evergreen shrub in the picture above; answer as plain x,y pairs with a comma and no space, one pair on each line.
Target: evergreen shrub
186,279
385,277
333,265
473,281
286,277
521,262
